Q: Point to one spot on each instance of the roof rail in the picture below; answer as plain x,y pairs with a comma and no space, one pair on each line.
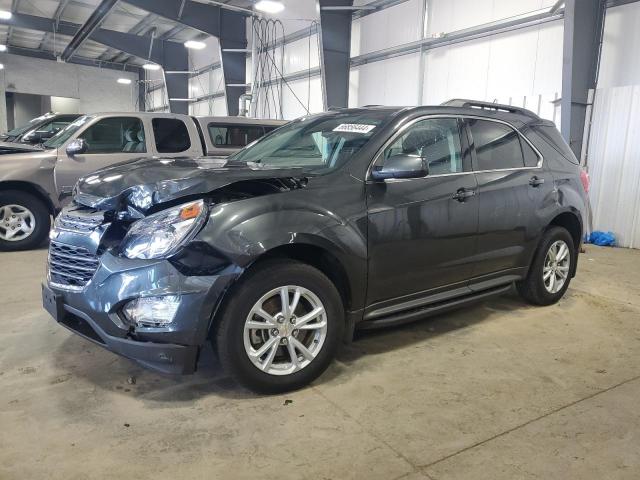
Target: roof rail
499,107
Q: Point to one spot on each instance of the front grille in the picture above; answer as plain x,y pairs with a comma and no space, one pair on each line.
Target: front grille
79,219
70,266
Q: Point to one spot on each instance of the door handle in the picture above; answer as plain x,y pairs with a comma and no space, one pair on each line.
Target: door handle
535,181
463,193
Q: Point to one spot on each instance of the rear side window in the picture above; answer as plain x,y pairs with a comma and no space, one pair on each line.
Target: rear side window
531,158
234,135
171,135
497,145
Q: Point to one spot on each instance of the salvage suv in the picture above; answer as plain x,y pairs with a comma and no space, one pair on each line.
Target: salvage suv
355,218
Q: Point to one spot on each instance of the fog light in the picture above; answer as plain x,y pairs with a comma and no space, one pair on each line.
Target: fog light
152,311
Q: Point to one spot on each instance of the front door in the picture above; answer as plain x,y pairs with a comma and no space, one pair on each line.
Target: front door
109,141
422,231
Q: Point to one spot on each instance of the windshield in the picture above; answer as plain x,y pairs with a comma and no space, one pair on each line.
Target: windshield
320,143
67,132
20,130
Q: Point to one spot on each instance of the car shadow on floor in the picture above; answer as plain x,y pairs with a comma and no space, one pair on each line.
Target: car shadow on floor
110,372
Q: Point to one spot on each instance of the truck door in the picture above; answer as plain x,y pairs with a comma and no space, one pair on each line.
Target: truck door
109,141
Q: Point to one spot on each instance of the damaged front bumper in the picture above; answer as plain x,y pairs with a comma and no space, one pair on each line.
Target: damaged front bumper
96,311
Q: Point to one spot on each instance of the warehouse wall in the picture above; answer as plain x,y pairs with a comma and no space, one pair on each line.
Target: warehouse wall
522,67
614,144
96,89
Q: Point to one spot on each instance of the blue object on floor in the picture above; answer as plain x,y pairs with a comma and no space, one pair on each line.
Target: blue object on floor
603,239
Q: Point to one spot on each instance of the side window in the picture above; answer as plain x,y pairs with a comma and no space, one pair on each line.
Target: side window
171,135
115,135
531,158
497,145
234,135
436,140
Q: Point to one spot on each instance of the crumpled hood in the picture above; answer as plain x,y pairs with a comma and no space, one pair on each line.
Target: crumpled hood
138,185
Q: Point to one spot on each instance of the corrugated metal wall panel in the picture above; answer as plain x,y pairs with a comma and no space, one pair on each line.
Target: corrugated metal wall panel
613,163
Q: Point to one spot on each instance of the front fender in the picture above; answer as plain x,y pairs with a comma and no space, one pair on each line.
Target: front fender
246,230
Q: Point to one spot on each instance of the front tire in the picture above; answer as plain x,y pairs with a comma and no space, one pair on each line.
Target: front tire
550,272
24,221
280,327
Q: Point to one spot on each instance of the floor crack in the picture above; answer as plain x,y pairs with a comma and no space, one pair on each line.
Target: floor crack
529,422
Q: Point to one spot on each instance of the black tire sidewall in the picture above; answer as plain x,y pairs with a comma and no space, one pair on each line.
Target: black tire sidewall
40,212
533,288
230,342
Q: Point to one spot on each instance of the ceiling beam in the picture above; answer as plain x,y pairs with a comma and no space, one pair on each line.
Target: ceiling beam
93,22
229,26
201,16
78,60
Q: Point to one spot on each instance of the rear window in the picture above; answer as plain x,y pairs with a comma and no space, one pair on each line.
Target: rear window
497,145
234,136
171,135
552,137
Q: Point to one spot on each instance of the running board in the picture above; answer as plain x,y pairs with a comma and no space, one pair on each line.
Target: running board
412,315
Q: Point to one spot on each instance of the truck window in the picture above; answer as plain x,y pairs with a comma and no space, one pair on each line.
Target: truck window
115,135
171,135
233,136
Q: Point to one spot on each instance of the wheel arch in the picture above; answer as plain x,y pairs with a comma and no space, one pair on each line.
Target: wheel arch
572,223
30,188
317,255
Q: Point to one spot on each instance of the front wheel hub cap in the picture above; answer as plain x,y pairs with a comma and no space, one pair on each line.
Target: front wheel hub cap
19,223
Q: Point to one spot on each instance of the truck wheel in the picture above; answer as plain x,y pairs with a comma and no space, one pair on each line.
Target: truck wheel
550,271
281,327
24,221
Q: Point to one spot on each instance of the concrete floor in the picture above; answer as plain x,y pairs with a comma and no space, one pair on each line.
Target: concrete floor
500,390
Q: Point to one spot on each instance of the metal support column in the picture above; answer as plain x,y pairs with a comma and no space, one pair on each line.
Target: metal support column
225,22
583,22
335,55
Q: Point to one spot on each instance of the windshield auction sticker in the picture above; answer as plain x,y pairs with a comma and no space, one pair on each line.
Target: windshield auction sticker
354,128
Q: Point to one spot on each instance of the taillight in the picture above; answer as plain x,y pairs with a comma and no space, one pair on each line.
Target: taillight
584,178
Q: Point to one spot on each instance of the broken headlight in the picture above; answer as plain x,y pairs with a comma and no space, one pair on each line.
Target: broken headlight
161,234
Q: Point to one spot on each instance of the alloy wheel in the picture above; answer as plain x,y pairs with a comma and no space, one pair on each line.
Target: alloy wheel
556,266
16,223
285,330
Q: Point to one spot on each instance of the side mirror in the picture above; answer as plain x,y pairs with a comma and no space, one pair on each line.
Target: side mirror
401,166
77,147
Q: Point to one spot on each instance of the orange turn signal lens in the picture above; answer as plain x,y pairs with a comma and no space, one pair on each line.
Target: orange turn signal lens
191,211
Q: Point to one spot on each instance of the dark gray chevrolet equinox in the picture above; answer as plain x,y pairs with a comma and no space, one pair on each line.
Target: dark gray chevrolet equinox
356,218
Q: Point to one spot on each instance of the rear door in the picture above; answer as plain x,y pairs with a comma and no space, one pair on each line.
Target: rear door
513,191
109,140
422,231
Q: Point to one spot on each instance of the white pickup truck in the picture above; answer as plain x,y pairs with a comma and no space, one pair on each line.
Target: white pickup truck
35,183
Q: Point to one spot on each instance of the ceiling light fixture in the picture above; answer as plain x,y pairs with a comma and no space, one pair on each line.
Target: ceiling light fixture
151,66
3,48
194,44
5,15
269,6
124,81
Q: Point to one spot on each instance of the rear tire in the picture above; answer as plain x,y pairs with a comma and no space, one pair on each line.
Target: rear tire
24,221
550,272
293,357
